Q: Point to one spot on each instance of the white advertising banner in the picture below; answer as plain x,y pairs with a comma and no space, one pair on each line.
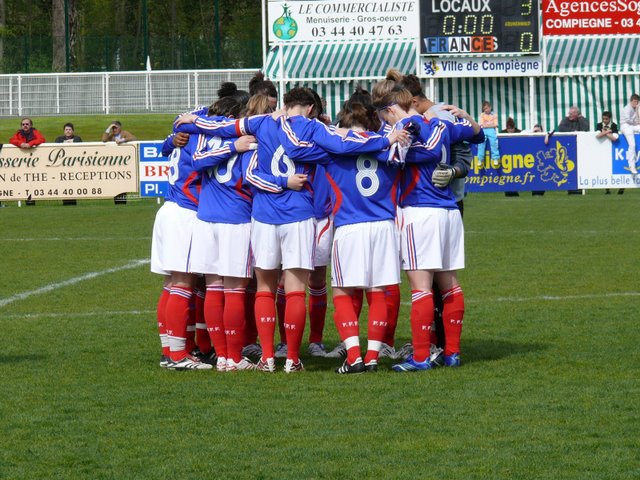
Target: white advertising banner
525,66
69,170
342,20
603,163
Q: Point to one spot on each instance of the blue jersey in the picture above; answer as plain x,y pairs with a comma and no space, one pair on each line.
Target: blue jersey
322,204
364,189
184,182
430,147
307,140
224,198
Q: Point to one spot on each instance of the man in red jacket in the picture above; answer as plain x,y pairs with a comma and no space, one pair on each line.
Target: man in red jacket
27,136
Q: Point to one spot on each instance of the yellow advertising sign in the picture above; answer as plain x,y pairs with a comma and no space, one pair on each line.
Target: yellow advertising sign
70,170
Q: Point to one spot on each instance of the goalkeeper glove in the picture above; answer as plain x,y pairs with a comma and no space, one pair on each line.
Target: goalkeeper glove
442,175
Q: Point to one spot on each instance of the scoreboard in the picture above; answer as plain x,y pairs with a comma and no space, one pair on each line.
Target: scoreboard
464,27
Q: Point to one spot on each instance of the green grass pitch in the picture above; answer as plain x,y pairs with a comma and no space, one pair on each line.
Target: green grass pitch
548,388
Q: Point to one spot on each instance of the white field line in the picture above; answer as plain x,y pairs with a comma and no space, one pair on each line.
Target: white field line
549,298
132,313
72,281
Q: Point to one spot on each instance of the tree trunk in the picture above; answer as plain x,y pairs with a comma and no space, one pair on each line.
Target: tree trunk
58,33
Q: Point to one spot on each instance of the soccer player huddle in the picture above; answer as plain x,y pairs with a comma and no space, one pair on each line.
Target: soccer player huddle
262,200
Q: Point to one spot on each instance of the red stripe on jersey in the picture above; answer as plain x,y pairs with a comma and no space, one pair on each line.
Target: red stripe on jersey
337,192
415,176
394,189
246,194
324,229
193,177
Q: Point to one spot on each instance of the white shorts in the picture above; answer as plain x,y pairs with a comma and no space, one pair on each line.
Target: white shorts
171,243
432,239
222,248
365,255
324,239
290,245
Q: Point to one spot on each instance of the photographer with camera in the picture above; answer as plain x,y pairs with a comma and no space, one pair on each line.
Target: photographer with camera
114,133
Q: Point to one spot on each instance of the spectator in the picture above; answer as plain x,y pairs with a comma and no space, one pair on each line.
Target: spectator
607,128
511,128
630,125
537,128
573,122
114,133
27,136
69,135
489,123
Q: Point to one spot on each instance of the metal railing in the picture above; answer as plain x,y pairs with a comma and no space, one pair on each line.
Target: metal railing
113,92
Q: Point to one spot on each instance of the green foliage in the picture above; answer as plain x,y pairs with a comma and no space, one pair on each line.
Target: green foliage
548,389
118,36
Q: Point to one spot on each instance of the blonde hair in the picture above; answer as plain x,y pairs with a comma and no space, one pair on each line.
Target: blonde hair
258,104
389,92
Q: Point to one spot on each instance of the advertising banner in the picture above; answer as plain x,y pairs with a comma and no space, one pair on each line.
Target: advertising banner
604,164
483,67
526,163
342,20
568,162
154,170
68,171
591,17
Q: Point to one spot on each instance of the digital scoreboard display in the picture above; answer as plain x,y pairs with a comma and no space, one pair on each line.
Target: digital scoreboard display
464,27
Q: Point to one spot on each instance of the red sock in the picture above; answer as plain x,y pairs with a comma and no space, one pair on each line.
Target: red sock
191,325
295,317
347,324
358,293
250,330
392,299
213,315
281,303
234,322
452,316
202,335
377,324
317,313
421,321
177,316
265,312
161,315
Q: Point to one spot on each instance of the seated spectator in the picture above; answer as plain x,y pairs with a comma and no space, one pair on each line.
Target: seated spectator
630,126
27,136
114,133
608,129
574,122
537,128
511,128
69,135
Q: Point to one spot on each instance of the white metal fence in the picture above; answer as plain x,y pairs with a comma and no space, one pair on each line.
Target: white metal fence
113,92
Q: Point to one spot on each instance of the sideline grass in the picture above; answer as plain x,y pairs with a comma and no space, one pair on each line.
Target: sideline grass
548,389
91,127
